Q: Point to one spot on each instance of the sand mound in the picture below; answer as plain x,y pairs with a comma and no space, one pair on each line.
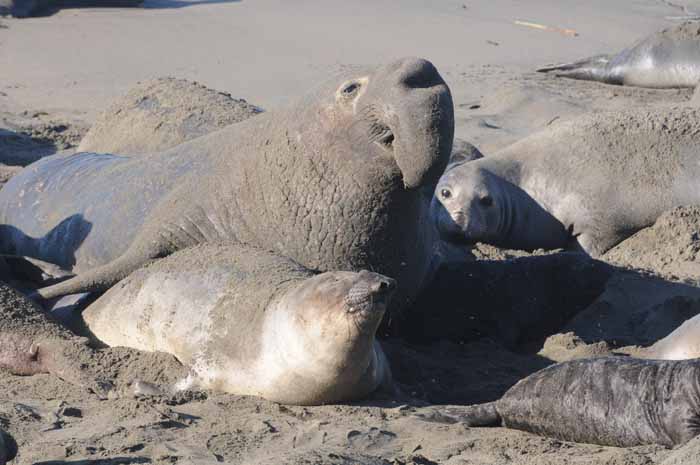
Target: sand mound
671,247
161,113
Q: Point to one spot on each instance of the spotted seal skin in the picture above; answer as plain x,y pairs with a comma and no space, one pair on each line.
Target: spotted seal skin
611,401
249,322
669,58
587,183
335,181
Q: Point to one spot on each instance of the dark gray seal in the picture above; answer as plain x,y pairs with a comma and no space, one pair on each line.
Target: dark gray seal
669,58
612,401
586,183
335,181
25,8
252,323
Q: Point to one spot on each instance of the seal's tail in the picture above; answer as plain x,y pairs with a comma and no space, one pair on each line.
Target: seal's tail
589,69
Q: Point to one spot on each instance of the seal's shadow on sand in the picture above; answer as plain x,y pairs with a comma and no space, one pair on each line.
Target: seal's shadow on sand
478,328
17,149
152,4
62,241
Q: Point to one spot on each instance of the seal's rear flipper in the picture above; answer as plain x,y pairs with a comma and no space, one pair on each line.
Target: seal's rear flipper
472,415
475,415
588,69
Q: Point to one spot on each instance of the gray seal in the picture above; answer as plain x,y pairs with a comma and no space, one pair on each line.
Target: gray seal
587,183
612,401
249,322
669,58
335,181
25,8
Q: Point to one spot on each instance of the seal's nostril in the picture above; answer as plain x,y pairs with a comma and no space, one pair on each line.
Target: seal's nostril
387,285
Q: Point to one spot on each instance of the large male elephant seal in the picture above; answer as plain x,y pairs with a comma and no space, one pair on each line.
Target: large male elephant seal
250,322
669,58
589,182
335,181
613,401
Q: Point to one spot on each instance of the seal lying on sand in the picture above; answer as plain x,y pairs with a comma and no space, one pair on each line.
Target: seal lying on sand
249,322
8,448
590,182
162,113
681,344
669,58
611,401
24,8
333,182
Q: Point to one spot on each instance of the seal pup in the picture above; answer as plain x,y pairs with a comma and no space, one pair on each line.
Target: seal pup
253,323
681,344
334,182
587,183
611,401
666,59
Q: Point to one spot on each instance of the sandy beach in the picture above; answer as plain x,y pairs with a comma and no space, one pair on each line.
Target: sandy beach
481,327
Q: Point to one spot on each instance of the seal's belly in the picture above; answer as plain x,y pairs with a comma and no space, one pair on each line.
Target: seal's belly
78,211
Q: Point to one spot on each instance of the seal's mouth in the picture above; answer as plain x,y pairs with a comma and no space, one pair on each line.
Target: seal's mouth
378,130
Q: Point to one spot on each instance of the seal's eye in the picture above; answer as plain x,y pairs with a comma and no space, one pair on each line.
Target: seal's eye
446,193
486,201
350,89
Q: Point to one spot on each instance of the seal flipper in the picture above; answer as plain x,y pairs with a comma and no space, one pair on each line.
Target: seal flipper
103,277
588,69
471,415
476,415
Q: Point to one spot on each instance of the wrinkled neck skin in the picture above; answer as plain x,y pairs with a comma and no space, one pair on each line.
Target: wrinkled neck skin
303,364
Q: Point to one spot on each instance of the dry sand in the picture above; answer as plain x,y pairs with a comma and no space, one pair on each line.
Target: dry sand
475,332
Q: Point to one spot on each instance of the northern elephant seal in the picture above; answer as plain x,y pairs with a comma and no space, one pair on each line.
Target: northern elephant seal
590,182
335,182
681,344
25,8
613,401
161,113
249,322
669,58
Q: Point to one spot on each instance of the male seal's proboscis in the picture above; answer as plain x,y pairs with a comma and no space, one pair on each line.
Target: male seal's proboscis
250,322
612,401
335,181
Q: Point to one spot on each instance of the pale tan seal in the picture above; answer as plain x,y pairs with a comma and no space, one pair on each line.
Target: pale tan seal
249,322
